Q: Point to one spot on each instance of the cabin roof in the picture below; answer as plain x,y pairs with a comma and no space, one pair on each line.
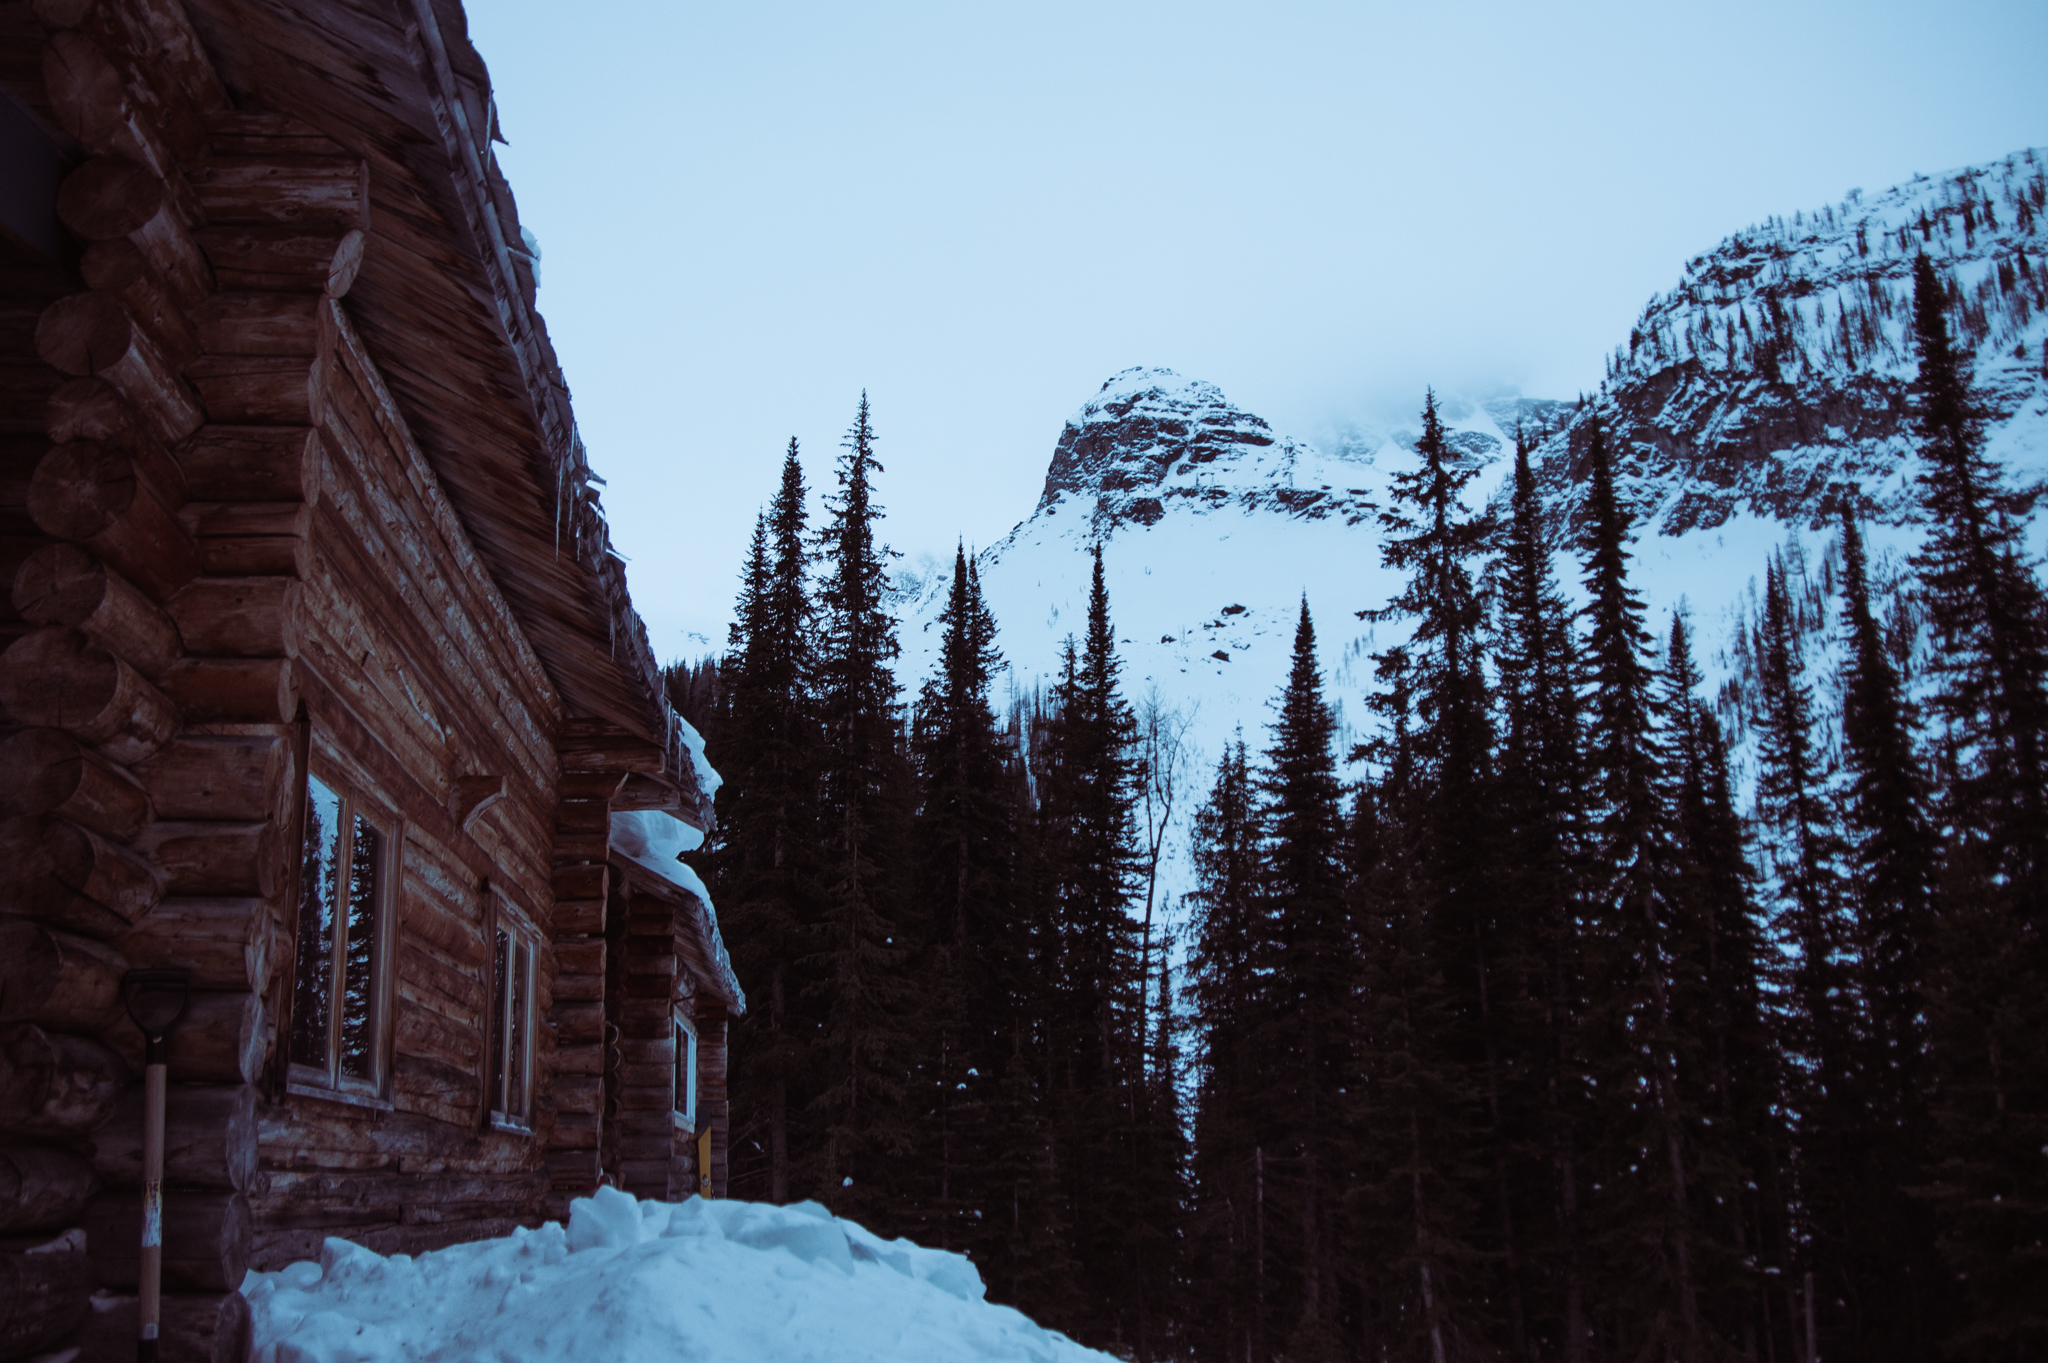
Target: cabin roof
445,304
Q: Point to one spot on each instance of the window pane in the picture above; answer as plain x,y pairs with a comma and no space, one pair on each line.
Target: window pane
359,977
312,999
522,1009
501,991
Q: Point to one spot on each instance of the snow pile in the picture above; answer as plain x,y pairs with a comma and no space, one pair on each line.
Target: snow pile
637,1282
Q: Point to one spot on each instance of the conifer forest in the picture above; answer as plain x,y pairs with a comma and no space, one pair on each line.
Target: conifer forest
1518,1032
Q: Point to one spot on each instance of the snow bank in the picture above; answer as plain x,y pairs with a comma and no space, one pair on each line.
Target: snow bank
648,1282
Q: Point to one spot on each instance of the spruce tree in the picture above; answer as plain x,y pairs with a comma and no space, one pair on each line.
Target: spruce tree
1228,938
863,786
1719,968
1305,977
1541,836
763,867
1902,1299
1087,792
1989,999
1632,1039
1483,953
1415,1110
960,915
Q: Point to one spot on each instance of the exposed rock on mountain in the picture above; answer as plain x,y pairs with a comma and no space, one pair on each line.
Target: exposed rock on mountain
1776,378
1150,437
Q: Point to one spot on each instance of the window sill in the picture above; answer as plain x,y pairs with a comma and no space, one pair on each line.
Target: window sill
346,1097
683,1123
510,1127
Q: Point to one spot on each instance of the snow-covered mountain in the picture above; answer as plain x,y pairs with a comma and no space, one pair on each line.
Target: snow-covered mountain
1774,380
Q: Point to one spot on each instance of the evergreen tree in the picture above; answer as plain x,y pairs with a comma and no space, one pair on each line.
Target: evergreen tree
1305,977
1632,1040
1718,965
1483,952
1228,937
763,866
962,924
1899,1301
1990,997
863,785
1087,790
1415,1109
1540,803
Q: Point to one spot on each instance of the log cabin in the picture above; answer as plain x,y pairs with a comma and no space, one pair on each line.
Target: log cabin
320,681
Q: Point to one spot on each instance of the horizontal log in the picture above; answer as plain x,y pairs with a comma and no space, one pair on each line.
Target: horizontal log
278,520
53,862
207,1327
45,1287
253,464
291,191
224,941
42,1189
284,259
98,496
230,690
205,1239
264,390
91,334
120,268
578,1023
56,1083
574,847
260,323
225,776
578,1060
59,679
211,857
108,199
222,1039
254,556
209,1138
582,916
47,771
64,584
581,882
54,979
240,617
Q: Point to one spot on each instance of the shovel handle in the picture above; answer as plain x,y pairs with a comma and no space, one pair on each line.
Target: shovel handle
149,1311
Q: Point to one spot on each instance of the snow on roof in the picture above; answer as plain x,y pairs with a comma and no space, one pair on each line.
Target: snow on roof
649,1282
655,842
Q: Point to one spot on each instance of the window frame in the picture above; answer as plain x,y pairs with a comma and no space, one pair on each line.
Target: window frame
331,1081
687,1075
523,941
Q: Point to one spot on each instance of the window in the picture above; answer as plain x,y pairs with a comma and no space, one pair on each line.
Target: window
686,1072
511,1073
339,999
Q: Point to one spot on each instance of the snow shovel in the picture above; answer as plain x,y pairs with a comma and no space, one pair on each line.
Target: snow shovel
156,999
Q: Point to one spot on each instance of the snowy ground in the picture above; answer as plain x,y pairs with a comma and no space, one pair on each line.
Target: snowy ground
648,1282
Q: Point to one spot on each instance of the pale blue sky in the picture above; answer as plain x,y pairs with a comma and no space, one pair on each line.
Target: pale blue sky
978,212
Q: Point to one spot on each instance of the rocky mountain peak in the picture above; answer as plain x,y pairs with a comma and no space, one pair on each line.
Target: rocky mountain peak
1150,437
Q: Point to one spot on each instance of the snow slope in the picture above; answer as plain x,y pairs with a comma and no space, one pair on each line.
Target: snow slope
1771,382
648,1282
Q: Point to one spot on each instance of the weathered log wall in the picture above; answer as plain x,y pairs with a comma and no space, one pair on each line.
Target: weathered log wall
227,563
